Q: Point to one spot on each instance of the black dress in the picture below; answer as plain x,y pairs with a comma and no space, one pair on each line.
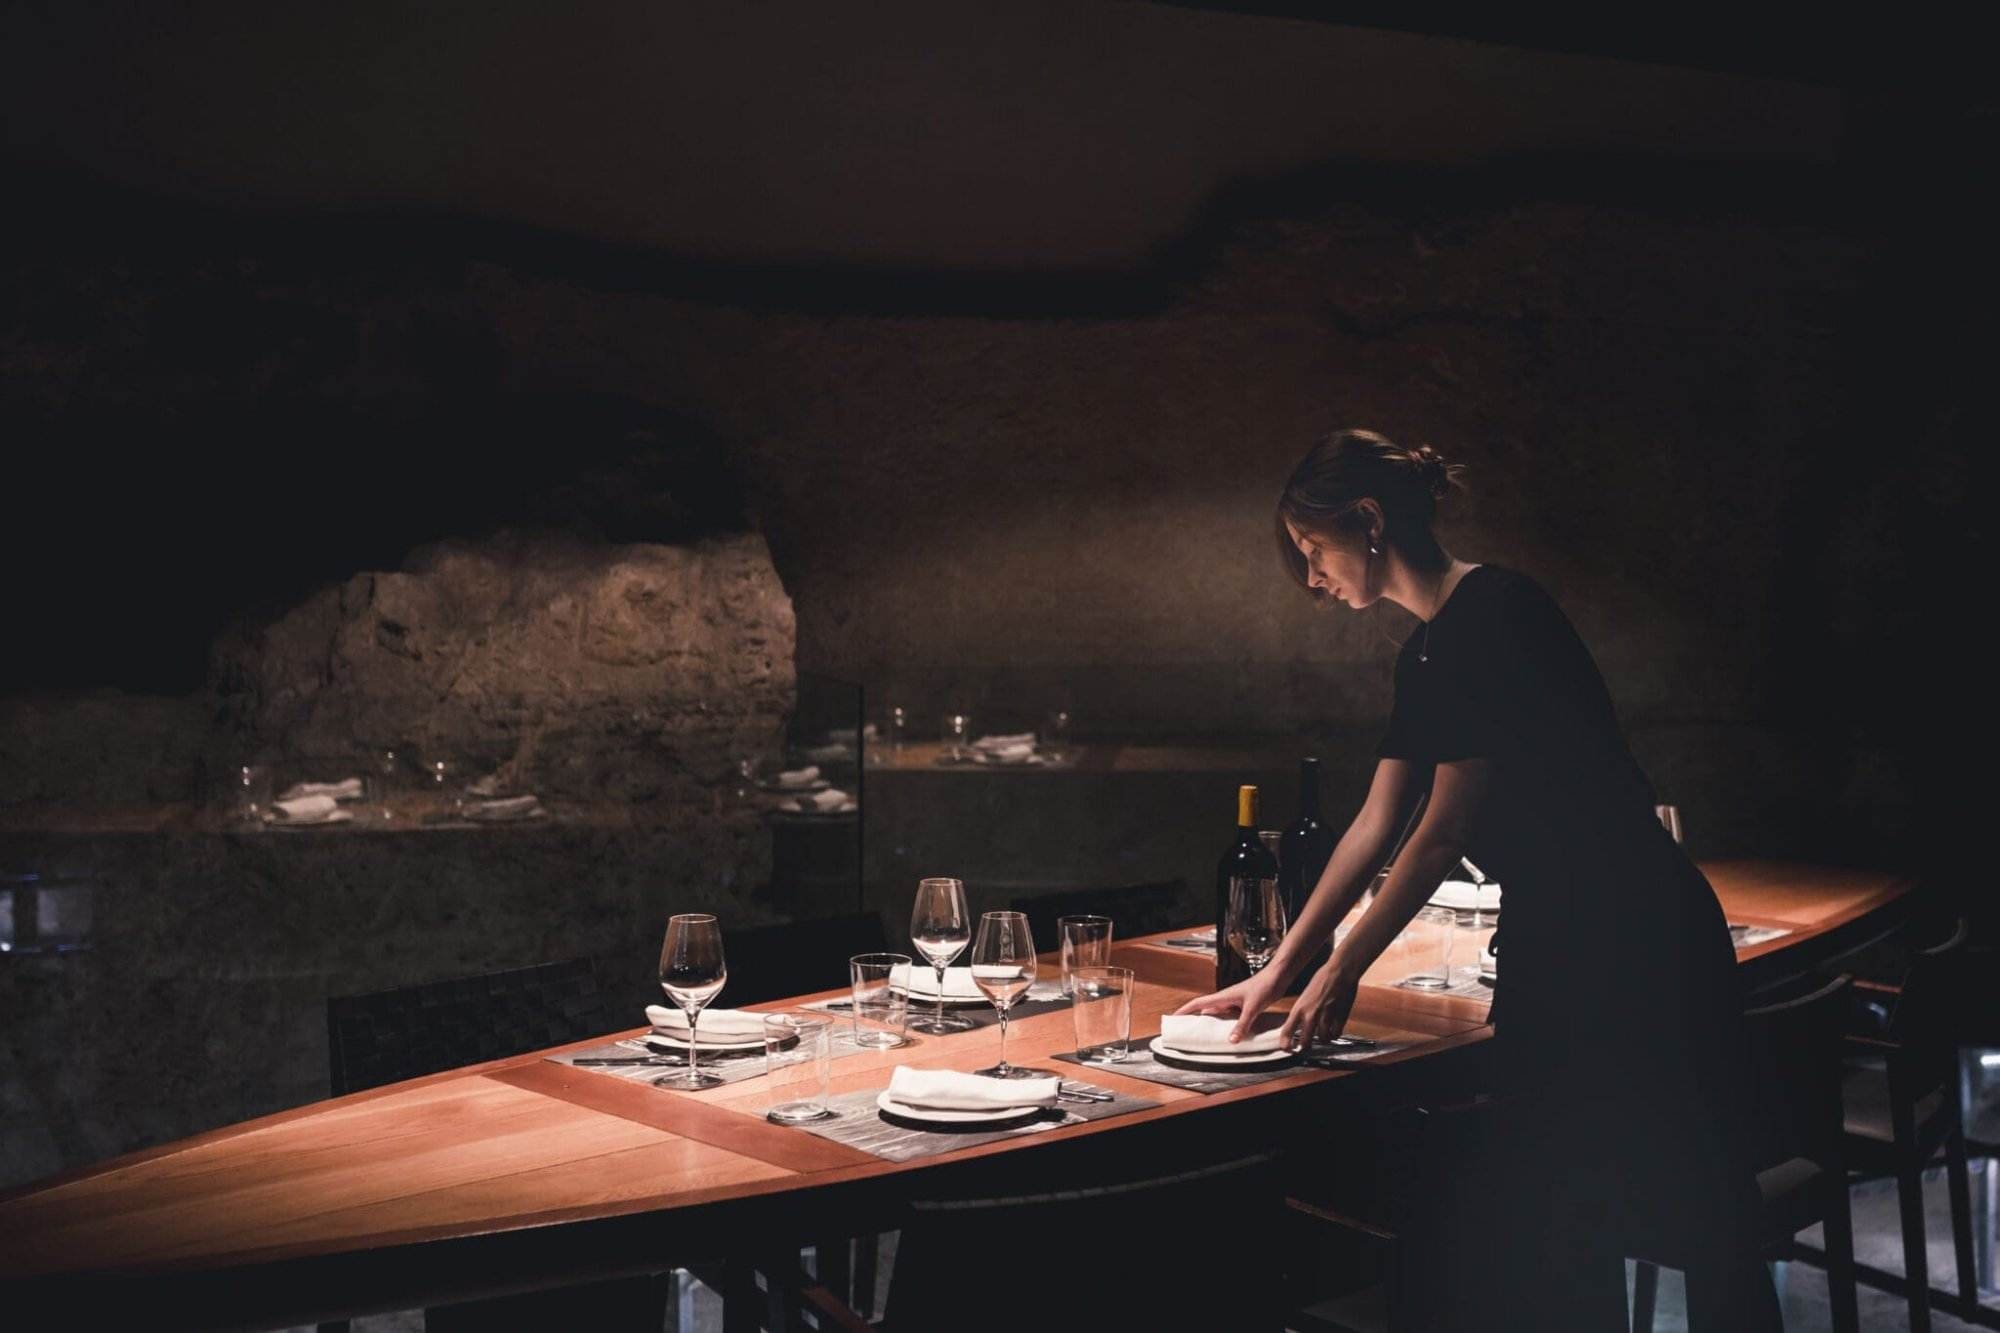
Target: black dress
1618,1002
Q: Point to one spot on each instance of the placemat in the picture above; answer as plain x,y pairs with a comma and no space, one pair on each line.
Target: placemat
859,1123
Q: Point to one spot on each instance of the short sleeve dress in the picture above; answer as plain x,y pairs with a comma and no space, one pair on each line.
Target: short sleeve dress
1617,982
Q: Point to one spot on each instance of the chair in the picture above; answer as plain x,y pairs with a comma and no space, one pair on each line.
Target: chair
1794,1045
1901,1087
389,1036
1097,1256
1135,909
798,957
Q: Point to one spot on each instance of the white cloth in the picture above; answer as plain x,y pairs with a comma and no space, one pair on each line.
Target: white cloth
715,1025
921,982
1010,742
307,810
949,1090
1007,754
347,789
831,799
824,753
1205,1034
799,777
1462,895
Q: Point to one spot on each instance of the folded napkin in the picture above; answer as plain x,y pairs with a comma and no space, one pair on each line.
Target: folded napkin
821,753
949,1090
799,777
347,789
1007,754
1205,1034
307,810
510,807
1009,742
1462,895
831,799
716,1024
957,982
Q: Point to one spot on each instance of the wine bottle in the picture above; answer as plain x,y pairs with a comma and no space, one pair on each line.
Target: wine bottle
1302,856
1246,859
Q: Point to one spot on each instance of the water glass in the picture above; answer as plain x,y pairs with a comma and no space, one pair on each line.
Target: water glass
1426,944
249,792
798,1062
1670,816
1053,738
876,1002
957,735
1103,1013
1086,942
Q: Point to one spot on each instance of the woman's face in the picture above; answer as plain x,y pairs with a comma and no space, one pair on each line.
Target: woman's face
1339,566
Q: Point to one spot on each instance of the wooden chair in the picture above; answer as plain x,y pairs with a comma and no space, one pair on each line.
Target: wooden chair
392,1035
1135,909
1099,1256
1903,1108
1801,1174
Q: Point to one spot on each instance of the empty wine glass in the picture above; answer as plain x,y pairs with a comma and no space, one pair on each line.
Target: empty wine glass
1003,967
940,928
1256,920
691,973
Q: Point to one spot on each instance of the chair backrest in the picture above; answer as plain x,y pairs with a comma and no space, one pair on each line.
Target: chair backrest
392,1035
772,962
1943,989
1134,909
1194,1249
1792,1064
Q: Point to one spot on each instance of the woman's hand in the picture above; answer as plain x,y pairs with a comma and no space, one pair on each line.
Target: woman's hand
1321,1011
1243,1002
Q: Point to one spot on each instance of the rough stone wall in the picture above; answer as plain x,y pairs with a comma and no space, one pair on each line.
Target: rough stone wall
631,674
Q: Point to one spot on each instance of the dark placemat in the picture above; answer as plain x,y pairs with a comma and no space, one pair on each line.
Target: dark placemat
729,1066
1143,1064
859,1123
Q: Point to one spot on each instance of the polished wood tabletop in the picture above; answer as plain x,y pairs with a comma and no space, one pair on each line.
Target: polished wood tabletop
495,1163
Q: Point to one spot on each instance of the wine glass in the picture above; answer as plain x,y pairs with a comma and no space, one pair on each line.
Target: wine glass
691,973
1670,818
940,928
1003,966
957,735
1256,920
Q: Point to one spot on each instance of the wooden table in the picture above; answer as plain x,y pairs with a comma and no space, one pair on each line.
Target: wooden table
524,1173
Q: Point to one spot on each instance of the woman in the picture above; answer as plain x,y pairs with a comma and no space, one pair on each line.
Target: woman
1617,1009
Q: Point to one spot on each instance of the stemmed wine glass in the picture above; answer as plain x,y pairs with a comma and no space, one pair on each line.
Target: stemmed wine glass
1003,966
940,929
691,973
1256,920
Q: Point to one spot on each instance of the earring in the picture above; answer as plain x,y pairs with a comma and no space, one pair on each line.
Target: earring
1373,549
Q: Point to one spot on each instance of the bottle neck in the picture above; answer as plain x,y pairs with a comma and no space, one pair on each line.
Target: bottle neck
1309,788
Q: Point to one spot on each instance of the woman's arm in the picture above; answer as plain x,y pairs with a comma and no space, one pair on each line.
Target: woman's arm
1457,791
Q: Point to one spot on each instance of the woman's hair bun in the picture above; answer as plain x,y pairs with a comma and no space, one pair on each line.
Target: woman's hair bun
1436,474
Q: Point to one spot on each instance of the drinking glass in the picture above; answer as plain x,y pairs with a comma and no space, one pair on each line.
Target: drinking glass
1086,942
957,735
250,792
385,782
1427,942
940,929
1053,739
691,973
798,1062
1670,815
876,1001
1103,1013
1256,920
1003,967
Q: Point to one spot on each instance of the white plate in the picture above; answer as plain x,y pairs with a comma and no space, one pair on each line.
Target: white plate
1209,1061
943,1117
705,1043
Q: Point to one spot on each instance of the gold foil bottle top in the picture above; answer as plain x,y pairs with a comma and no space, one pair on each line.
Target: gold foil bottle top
1246,807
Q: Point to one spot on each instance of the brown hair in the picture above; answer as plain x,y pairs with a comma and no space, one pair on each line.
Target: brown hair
1350,466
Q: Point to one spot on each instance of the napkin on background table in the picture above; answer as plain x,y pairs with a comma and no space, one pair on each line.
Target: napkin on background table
506,807
949,1090
923,985
1010,742
799,777
833,798
1007,754
309,810
1204,1034
716,1024
347,789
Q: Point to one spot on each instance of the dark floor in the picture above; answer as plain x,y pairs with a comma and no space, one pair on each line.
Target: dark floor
1801,1287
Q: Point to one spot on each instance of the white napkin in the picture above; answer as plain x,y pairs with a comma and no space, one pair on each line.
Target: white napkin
1010,742
831,799
511,807
309,810
829,752
957,982
1007,754
1205,1034
715,1025
949,1090
799,777
347,789
1459,895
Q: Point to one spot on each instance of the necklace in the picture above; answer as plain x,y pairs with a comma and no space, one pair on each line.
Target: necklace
1424,649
